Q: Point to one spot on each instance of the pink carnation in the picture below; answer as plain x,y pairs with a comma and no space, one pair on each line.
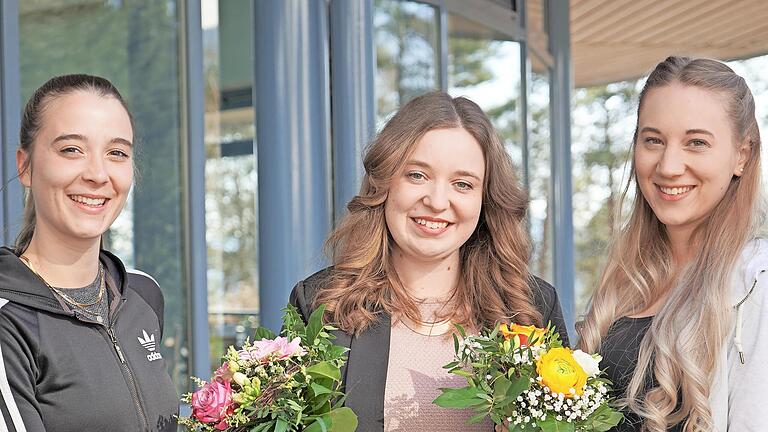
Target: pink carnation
212,403
276,349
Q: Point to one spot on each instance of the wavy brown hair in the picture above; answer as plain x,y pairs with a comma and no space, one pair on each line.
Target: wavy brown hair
493,262
681,346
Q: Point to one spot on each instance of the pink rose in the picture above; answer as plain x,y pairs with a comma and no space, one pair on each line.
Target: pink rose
223,373
276,349
212,403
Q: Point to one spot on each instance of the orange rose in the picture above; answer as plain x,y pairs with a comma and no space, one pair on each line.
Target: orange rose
523,332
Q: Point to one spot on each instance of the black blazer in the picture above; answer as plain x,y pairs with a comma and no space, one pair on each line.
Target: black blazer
365,374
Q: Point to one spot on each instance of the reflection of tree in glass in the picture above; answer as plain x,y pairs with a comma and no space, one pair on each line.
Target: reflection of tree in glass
600,154
539,175
406,52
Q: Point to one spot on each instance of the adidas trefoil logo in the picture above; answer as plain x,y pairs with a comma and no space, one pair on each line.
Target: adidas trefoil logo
148,342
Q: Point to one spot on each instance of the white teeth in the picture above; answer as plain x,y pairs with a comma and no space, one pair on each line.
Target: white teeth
675,190
431,225
92,202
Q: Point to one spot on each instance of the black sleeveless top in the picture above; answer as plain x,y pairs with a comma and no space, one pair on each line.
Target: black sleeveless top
620,350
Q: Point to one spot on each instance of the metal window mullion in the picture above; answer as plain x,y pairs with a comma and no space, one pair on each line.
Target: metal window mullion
557,13
442,28
353,102
193,172
12,206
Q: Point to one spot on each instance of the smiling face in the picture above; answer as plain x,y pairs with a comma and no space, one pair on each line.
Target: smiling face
685,154
434,204
81,167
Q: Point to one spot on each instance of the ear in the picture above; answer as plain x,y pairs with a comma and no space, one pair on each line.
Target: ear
23,167
745,152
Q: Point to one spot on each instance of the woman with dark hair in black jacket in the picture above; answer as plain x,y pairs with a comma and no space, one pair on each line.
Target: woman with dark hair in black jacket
79,335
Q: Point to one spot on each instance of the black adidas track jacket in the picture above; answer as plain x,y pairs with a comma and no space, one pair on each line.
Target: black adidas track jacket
58,373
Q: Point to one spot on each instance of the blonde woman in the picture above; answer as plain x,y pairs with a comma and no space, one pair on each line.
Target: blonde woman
436,236
681,312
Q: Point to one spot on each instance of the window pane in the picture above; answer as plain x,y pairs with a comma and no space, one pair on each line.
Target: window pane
485,67
230,174
603,125
407,57
135,45
540,175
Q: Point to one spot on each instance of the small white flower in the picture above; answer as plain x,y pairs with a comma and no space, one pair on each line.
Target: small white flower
590,364
559,418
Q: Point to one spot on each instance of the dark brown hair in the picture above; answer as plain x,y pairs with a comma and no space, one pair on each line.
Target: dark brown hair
31,123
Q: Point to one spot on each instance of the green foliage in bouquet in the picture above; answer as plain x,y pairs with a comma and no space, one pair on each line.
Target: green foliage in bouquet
281,383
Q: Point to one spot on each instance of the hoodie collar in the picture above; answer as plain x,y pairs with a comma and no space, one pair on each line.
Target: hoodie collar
20,285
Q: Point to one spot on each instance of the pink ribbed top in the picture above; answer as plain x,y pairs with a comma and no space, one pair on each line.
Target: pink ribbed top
414,375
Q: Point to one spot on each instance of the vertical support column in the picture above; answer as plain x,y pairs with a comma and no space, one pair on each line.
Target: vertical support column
558,26
352,100
442,45
11,204
293,145
525,75
193,120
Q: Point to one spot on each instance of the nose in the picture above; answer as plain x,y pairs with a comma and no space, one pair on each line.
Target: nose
437,198
95,170
672,162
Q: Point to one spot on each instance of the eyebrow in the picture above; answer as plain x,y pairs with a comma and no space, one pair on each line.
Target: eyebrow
463,173
687,132
78,137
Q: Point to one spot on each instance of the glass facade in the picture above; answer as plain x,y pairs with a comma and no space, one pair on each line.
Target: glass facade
230,173
135,45
141,46
406,36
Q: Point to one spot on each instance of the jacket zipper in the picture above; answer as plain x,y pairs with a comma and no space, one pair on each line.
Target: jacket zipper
132,387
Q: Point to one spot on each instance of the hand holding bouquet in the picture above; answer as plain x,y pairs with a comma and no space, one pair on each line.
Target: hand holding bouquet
523,377
286,383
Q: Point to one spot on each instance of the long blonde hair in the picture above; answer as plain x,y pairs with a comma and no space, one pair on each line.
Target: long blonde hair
682,344
494,275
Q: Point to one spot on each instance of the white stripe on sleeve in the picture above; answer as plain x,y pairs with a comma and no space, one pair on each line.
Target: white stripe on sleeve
5,392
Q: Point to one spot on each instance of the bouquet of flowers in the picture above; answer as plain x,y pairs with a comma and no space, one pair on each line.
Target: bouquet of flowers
278,383
523,377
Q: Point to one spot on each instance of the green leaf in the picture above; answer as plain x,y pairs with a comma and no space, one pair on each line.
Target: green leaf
461,330
552,425
315,325
318,389
459,398
263,333
477,418
320,424
603,419
324,369
281,425
343,420
518,387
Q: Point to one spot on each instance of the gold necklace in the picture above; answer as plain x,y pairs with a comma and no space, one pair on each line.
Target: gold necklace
67,298
427,328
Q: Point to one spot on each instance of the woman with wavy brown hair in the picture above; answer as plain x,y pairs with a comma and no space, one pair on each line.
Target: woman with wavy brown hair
435,237
680,312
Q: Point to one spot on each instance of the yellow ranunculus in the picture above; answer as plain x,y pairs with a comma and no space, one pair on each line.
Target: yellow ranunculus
523,332
560,371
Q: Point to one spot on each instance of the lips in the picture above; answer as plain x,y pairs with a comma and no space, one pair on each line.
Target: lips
431,224
674,193
93,202
675,190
